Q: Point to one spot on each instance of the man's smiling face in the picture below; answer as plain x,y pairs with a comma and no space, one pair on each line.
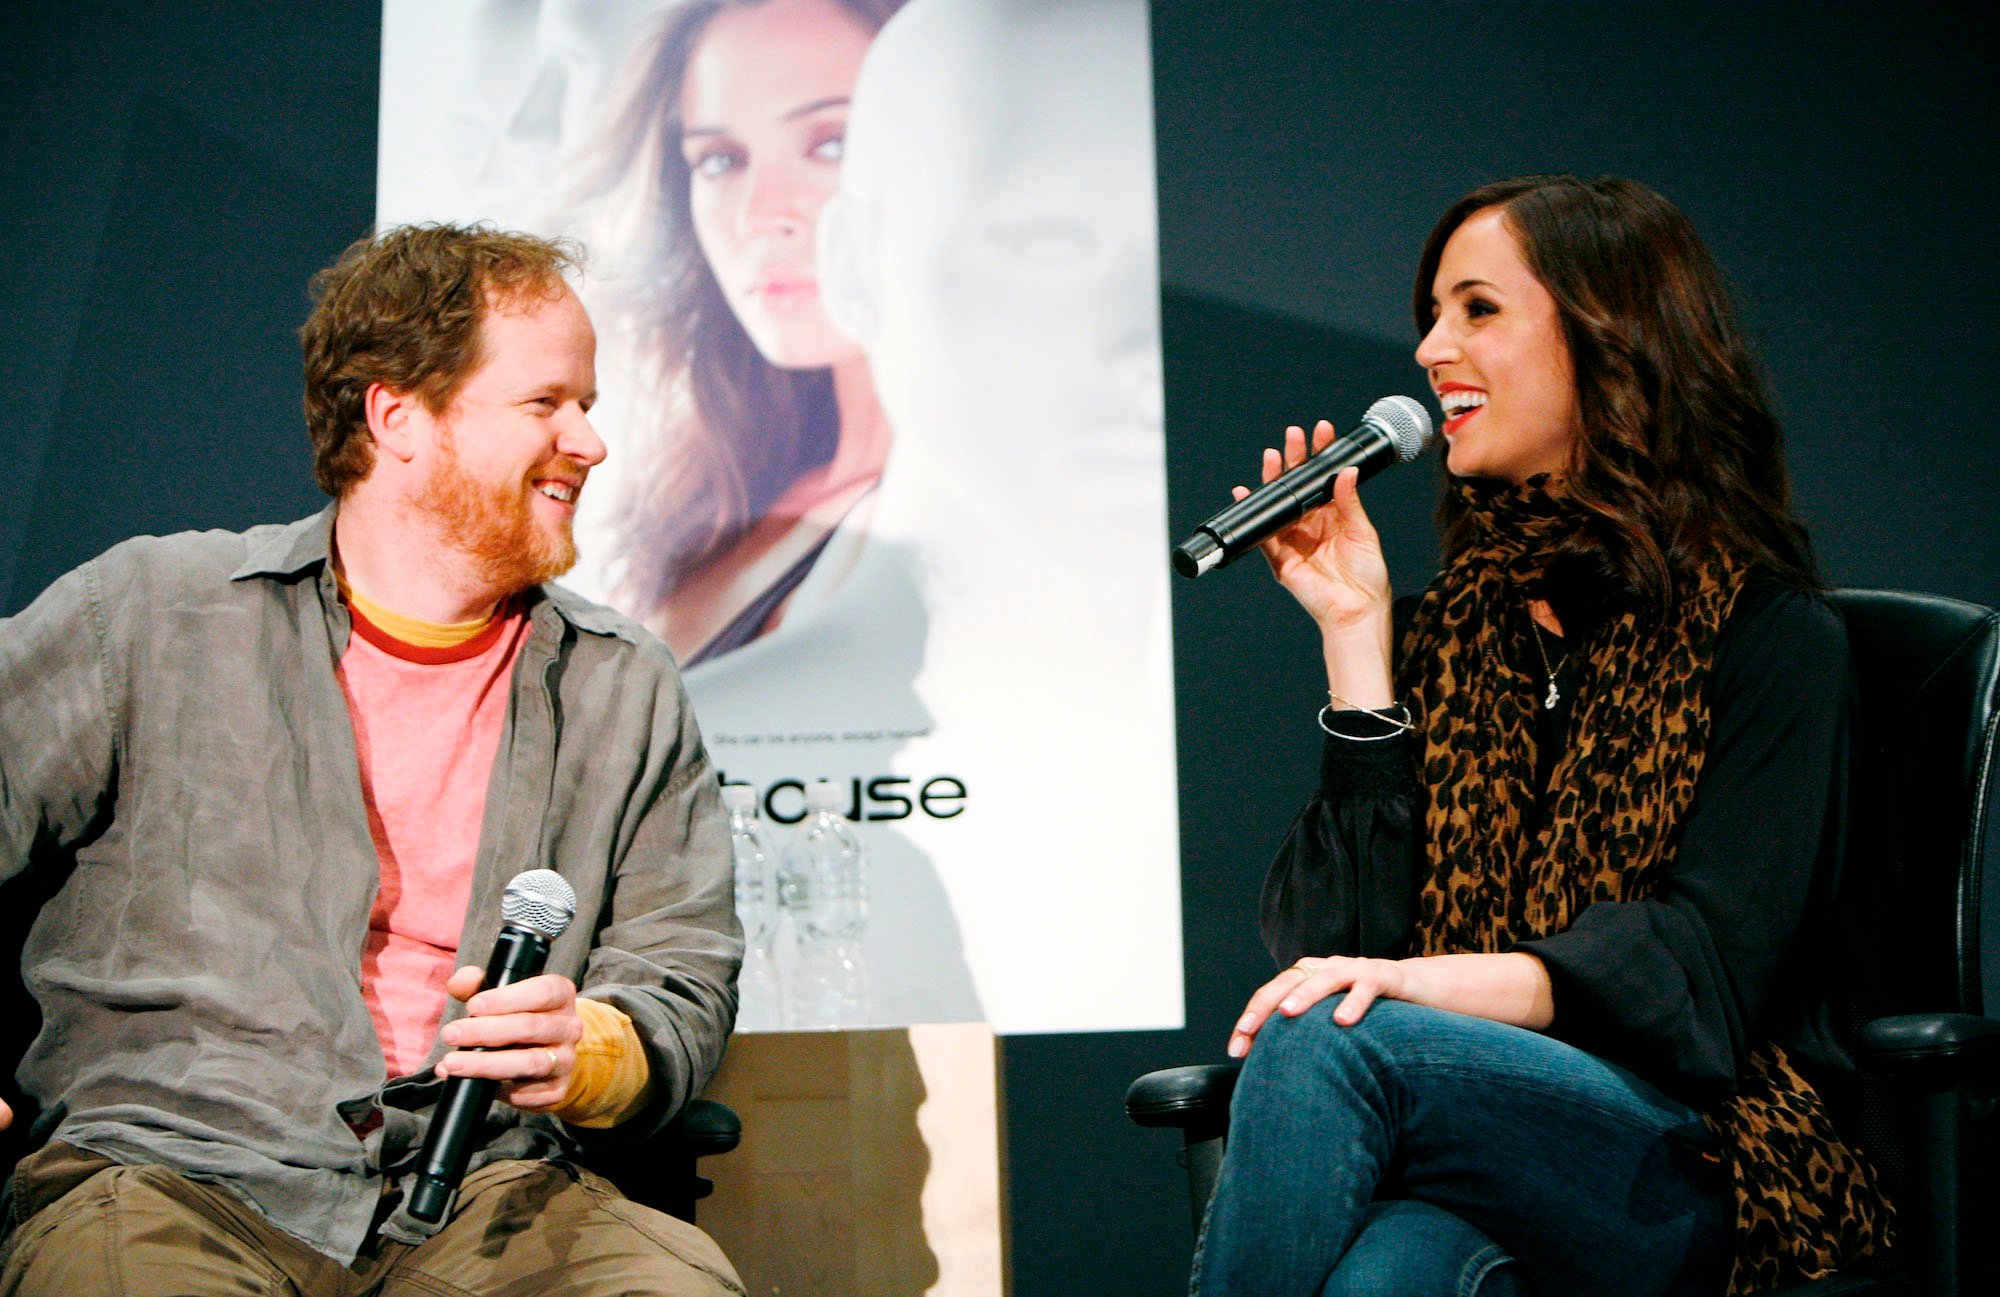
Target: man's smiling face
510,455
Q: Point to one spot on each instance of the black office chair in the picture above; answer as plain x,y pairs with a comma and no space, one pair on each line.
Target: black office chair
661,1173
1927,672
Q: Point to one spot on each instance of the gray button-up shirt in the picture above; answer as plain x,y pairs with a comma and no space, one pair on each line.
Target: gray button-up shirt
177,766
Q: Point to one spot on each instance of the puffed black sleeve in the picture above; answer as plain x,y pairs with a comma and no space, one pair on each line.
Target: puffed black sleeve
1344,881
1679,987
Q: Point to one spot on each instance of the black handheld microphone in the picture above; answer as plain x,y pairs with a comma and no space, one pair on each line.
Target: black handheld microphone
1394,431
535,909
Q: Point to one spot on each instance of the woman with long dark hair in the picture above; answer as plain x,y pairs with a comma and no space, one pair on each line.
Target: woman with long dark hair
1553,925
756,435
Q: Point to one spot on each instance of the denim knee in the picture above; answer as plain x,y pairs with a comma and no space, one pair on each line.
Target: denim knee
1290,1052
1414,1249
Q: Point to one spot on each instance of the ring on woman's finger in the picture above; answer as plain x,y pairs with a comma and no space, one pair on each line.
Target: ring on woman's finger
1303,969
555,1060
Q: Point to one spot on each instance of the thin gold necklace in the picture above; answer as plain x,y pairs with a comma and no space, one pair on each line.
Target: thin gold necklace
1555,695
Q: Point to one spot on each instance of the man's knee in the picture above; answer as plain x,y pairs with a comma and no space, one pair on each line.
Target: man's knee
551,1228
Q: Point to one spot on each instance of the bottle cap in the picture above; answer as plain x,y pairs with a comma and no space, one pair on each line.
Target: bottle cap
739,798
826,795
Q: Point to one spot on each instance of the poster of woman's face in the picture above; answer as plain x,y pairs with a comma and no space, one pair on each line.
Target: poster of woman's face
876,292
763,124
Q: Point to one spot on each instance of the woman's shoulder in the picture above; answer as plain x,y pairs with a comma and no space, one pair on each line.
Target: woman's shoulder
1779,632
1772,608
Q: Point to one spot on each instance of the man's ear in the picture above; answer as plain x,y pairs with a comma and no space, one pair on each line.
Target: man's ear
395,420
848,234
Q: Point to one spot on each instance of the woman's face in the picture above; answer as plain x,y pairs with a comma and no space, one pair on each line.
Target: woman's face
1497,359
765,111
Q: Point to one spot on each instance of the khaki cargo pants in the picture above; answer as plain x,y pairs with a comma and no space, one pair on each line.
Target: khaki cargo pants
89,1225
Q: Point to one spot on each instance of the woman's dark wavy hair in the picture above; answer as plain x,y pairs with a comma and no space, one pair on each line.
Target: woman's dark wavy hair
1678,453
727,432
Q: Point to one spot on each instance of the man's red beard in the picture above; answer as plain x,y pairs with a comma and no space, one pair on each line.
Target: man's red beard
495,525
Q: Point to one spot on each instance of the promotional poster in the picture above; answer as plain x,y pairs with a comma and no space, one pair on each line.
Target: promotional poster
876,294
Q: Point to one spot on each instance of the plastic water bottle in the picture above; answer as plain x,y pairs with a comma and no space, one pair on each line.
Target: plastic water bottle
825,893
758,987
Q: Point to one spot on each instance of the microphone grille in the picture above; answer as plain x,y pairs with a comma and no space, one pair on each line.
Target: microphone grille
1406,421
541,899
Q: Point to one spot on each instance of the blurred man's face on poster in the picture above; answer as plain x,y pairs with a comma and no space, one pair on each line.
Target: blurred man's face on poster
765,113
1004,153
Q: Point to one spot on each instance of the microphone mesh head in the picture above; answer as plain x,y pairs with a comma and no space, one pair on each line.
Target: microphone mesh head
541,899
1406,421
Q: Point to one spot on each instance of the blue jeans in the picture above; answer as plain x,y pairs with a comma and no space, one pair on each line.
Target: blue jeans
1421,1153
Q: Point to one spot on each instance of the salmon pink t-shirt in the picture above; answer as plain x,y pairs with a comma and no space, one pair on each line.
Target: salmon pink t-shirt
427,725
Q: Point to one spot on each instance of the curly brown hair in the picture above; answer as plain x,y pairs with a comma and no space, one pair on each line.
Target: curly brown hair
402,307
1678,452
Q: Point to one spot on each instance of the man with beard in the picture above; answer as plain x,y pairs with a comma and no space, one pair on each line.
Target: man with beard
273,783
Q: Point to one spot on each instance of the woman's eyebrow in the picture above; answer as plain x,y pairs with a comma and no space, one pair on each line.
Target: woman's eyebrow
1464,284
806,110
803,110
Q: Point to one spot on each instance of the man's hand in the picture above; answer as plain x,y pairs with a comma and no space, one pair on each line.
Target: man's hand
526,1033
6,1115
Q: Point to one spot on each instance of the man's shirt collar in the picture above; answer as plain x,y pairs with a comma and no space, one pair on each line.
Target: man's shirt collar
304,546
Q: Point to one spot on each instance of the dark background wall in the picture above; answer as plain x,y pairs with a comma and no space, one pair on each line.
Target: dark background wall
173,174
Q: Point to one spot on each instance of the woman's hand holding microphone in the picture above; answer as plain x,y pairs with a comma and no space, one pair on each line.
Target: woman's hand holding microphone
1331,562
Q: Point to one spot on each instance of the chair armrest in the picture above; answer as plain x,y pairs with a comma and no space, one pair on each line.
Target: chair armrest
659,1172
703,1128
1937,1048
1195,1101
1182,1097
1938,1056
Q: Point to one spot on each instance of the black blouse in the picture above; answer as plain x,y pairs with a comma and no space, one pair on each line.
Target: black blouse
1679,987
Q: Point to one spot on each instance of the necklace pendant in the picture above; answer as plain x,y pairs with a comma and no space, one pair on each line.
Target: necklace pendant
1549,703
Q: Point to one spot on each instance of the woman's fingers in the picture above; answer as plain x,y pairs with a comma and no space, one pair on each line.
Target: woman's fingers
1359,996
1293,450
1347,502
1314,557
1295,446
1291,992
1260,1007
1306,983
1320,981
1371,980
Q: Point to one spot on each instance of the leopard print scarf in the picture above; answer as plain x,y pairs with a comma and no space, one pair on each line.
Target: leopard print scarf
1496,874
